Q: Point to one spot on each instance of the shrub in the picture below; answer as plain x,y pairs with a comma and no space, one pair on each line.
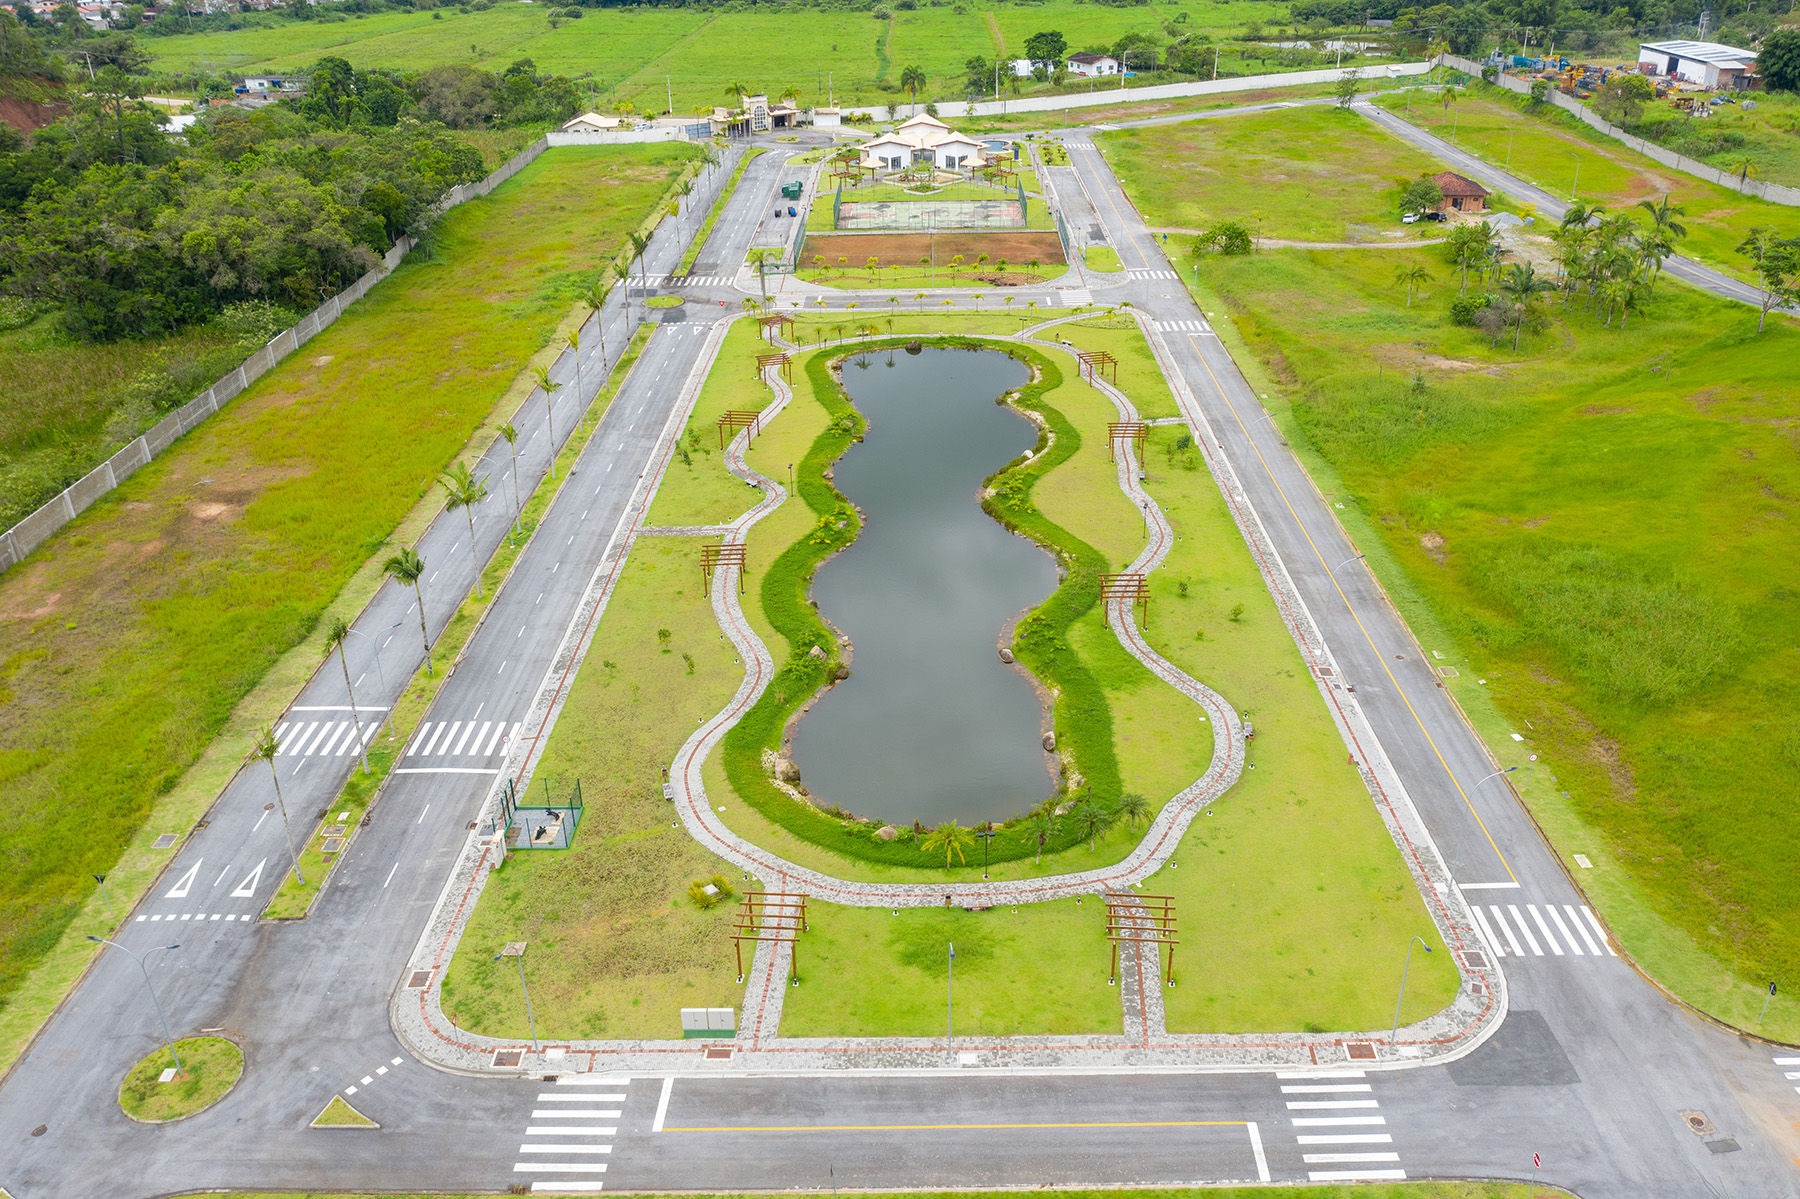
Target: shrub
1464,308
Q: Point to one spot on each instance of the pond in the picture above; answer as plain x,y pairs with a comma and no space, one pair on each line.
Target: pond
930,725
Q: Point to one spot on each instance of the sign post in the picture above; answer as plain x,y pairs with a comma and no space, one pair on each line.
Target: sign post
1765,1007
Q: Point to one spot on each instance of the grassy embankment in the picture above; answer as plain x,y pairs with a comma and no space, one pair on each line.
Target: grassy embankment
1764,136
700,51
1596,531
199,584
1546,145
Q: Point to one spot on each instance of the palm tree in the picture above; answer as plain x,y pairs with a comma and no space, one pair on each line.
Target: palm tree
1745,169
686,189
512,445
1133,808
1090,820
1519,283
463,490
406,568
572,339
1041,825
335,634
265,748
911,80
639,243
950,837
549,387
1411,276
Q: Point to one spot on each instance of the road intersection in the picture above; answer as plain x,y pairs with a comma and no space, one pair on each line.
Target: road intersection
1621,1092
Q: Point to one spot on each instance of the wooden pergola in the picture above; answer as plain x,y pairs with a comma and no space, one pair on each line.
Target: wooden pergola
1133,588
778,361
1141,920
718,556
774,916
1093,362
739,419
773,321
1132,432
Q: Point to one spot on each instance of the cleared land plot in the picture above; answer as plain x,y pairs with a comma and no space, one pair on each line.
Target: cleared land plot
1546,148
1609,551
1764,136
1314,174
618,947
126,643
914,260
1036,969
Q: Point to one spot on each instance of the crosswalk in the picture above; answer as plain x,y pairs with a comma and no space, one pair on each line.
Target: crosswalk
570,1134
1197,326
323,738
460,739
1338,1127
1537,930
695,280
1153,274
1790,1067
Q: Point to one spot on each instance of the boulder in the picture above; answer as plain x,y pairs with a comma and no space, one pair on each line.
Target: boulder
786,771
886,832
1006,655
1049,743
816,652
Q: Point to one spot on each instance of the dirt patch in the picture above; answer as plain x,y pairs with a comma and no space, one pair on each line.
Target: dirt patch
1433,544
25,597
906,249
1606,409
1609,755
214,511
1536,522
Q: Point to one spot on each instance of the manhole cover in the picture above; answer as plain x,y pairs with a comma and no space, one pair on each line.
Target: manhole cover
418,980
718,1053
1698,1123
332,845
1723,1145
508,1057
166,841
1360,1051
1474,959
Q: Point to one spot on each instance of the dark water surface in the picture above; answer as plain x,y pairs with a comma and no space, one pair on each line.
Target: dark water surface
930,724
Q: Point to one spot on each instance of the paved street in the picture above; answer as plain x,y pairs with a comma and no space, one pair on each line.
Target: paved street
1592,1067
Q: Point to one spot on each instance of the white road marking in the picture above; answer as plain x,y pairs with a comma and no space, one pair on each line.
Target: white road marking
436,733
451,737
1512,942
1344,1159
386,881
1593,946
1256,1147
1558,921
499,728
181,888
247,888
293,746
1487,934
1598,931
1300,1105
576,1113
1335,1121
588,1130
1545,929
1338,1088
457,752
222,874
259,821
422,811
1525,929
1353,1138
501,671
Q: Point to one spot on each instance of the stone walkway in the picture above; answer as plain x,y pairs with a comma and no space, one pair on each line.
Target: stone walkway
1143,1044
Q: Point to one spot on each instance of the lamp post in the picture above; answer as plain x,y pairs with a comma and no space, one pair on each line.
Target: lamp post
379,672
1484,778
1346,562
157,1003
987,833
516,951
1403,969
1575,187
950,1003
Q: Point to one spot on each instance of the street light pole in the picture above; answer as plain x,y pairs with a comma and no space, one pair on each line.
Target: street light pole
1403,969
1484,778
160,1014
1575,187
380,673
516,951
1346,562
950,1003
987,835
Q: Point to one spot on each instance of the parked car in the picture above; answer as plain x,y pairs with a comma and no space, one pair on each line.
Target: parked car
1409,218
1439,217
777,210
791,211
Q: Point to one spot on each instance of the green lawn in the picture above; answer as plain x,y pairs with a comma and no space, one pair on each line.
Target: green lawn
1763,136
642,54
209,1068
1102,258
1547,147
1309,174
1598,530
617,947
129,640
867,972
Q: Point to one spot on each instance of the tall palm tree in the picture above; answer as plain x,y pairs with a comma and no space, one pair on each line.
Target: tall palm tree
265,748
1041,825
463,490
335,634
512,445
911,80
1519,283
594,299
1745,169
407,568
1133,808
549,387
686,190
1090,820
572,339
639,243
950,837
1411,277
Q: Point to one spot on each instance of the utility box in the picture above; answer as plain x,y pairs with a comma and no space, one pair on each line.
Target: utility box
708,1022
791,191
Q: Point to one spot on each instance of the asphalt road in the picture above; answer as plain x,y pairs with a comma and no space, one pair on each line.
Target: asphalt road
1592,1068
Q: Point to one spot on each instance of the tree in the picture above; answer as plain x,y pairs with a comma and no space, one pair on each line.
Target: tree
1467,246
572,339
911,80
1519,284
1410,277
265,748
1133,808
1347,86
950,837
463,490
512,446
1777,263
1090,820
1778,59
978,75
1226,237
549,387
1421,195
406,568
639,243
1664,232
335,634
1621,98
1745,169
1041,825
1046,49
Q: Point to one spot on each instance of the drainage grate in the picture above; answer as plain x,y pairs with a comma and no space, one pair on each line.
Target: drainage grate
418,980
332,845
1474,959
1360,1051
718,1053
1724,1145
508,1057
166,841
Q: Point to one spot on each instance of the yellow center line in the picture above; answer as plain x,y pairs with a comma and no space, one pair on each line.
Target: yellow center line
1354,615
1120,225
958,1127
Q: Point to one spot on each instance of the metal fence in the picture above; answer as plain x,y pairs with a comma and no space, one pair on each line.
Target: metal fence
542,818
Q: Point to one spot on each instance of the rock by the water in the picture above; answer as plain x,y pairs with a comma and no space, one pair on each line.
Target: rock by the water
816,652
786,771
1006,655
886,832
1049,743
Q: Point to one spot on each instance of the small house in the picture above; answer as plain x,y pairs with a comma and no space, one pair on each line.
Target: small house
1460,194
922,141
592,122
1093,65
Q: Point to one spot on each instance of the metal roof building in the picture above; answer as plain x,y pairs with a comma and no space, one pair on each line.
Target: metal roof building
1707,63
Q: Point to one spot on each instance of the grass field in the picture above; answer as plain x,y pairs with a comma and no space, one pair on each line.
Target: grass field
1768,136
1548,147
126,644
1312,174
617,947
1602,546
1036,969
642,55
